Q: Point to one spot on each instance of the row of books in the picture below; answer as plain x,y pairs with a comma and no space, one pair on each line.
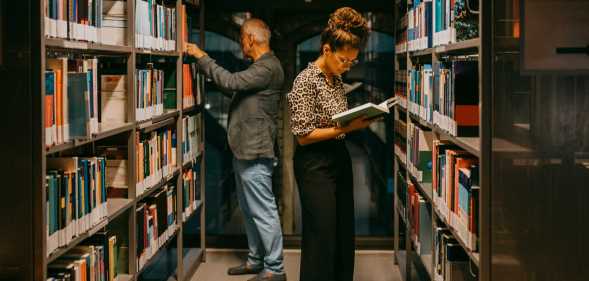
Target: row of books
446,94
192,83
71,99
454,21
419,31
456,190
401,87
191,137
400,143
191,191
419,152
156,223
421,221
95,260
99,21
155,25
420,89
451,263
456,100
150,93
76,198
156,157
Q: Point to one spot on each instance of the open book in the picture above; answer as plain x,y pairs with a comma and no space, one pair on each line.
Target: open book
367,110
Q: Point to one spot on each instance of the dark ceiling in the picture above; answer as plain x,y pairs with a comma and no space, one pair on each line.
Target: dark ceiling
298,6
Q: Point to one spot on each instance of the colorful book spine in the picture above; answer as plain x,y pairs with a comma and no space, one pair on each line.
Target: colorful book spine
191,191
150,93
76,198
420,84
156,223
191,137
456,98
155,25
156,157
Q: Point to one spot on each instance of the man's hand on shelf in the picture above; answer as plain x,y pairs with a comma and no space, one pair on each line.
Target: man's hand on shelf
194,50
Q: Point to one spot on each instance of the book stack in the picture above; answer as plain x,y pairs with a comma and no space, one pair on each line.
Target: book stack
419,33
76,198
421,221
451,263
155,26
114,22
113,102
191,191
150,93
71,100
419,153
156,223
156,157
456,101
420,83
456,190
454,22
191,138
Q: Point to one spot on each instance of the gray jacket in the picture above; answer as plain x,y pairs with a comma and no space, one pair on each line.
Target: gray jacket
254,105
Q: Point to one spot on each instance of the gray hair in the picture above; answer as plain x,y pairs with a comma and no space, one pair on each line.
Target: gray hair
258,29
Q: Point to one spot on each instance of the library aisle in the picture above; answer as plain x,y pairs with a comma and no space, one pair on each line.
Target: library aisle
370,266
121,139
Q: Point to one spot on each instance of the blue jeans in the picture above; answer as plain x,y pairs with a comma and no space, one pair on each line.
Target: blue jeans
253,180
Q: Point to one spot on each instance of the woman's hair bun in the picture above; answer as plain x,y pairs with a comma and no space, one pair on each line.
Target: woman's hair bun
348,20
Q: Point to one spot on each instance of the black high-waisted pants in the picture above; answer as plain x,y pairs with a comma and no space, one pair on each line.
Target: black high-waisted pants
324,176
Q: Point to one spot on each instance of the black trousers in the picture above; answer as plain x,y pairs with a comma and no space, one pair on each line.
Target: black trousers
324,175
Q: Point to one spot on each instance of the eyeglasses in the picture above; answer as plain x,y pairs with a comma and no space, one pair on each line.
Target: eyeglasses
345,61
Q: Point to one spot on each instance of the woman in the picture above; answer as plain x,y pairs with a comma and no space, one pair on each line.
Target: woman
322,164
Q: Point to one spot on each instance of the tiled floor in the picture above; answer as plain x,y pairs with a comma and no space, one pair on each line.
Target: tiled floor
370,266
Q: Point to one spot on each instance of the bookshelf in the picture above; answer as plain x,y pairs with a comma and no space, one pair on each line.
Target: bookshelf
416,260
185,238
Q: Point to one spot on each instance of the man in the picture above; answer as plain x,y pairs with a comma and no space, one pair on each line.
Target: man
252,133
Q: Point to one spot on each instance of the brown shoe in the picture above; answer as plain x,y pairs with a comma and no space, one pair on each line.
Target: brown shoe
244,269
269,276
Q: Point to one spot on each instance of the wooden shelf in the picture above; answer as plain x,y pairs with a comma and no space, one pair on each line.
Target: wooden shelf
467,46
192,261
422,53
157,53
104,131
470,144
64,44
192,109
124,277
150,190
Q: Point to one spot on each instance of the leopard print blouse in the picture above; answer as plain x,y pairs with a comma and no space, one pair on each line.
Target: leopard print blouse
313,101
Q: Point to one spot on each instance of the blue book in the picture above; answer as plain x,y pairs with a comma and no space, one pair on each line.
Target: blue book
78,100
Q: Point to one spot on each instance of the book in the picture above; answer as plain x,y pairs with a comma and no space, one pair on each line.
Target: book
113,103
367,110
